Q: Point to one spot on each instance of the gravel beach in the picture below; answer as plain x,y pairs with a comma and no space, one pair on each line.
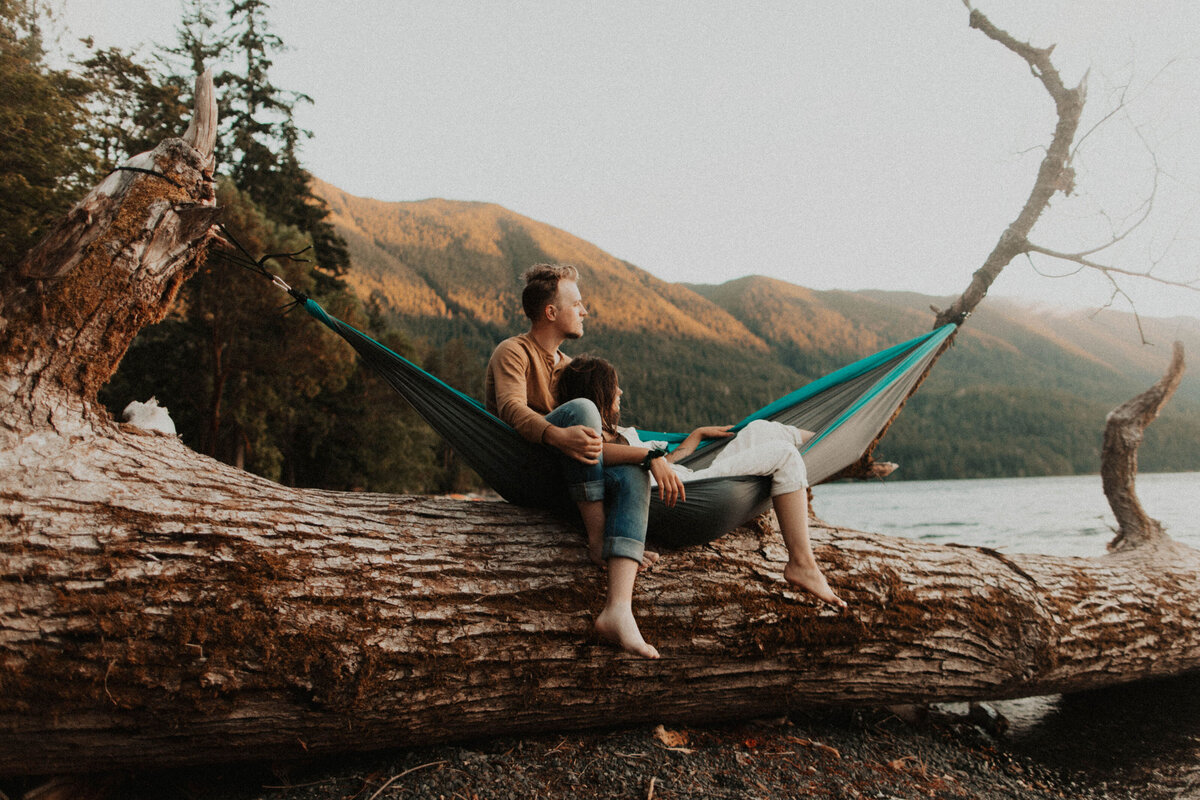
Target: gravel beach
864,753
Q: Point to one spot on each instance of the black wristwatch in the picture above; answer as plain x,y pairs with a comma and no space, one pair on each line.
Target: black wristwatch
657,452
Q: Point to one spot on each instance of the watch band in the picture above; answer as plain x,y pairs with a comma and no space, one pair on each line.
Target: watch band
654,453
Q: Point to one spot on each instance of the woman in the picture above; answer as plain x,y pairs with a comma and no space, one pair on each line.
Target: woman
761,448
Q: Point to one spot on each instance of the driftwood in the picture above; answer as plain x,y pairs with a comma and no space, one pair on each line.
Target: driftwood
1122,436
160,608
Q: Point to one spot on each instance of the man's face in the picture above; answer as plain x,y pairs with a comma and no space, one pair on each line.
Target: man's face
567,311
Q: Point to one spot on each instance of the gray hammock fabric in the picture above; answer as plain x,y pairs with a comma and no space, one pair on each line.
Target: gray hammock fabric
846,409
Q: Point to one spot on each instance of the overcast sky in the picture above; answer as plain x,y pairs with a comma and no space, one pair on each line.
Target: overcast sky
829,144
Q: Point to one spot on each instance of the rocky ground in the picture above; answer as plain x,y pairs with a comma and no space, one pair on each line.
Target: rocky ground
878,754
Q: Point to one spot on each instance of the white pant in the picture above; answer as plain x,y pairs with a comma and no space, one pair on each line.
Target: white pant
761,448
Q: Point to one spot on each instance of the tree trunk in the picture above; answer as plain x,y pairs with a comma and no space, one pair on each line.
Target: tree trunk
160,608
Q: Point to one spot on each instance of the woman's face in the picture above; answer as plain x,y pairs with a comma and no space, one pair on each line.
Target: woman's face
617,401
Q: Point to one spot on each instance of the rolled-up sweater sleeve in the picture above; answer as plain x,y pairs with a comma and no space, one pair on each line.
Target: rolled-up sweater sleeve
508,390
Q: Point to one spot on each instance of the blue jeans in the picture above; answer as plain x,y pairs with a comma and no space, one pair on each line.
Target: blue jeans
625,488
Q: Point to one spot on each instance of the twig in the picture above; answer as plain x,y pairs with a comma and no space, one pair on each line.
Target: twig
650,794
106,691
298,785
1079,258
395,778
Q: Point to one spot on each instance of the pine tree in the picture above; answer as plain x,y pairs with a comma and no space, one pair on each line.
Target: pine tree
42,169
278,396
132,106
261,139
237,375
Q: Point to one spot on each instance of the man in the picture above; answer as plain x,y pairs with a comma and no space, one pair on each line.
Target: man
608,482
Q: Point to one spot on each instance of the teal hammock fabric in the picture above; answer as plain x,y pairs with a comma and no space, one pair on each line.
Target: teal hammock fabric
846,409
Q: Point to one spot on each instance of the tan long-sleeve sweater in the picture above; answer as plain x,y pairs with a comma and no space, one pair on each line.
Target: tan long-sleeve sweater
519,387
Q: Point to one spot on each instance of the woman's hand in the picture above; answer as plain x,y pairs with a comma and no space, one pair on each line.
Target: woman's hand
713,432
689,445
670,487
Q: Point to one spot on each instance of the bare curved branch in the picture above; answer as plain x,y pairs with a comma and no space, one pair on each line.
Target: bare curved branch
1123,103
1054,175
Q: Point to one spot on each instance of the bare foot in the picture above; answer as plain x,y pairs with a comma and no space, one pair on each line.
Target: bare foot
811,580
649,559
621,629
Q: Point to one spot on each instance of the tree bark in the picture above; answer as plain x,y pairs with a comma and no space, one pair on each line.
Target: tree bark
160,608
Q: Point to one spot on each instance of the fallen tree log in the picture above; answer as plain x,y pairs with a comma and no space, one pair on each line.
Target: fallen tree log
160,608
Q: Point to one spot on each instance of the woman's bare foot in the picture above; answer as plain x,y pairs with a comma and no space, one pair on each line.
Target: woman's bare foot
811,580
649,559
620,628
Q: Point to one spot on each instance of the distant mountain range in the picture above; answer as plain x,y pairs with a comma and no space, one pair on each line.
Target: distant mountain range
1024,391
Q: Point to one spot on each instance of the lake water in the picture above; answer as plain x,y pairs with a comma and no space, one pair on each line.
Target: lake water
1066,516
1141,740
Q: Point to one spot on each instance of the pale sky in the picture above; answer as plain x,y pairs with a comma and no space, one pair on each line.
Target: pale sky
828,144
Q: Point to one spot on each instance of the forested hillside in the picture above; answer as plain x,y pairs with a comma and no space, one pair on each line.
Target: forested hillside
1024,391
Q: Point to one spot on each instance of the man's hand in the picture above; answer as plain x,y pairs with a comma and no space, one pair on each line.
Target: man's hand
670,487
578,441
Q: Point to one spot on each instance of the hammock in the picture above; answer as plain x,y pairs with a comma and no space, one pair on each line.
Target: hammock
846,409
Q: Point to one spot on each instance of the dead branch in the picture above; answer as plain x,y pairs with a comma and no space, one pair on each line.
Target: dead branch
1054,175
1123,433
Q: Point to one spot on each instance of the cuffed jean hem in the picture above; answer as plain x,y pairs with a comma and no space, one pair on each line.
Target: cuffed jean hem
622,547
586,492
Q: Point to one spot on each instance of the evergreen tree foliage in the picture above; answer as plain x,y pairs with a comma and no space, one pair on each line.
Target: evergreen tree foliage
246,374
43,171
366,436
277,395
132,106
259,140
462,367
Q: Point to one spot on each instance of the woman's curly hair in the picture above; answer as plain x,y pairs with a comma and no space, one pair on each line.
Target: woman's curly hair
593,378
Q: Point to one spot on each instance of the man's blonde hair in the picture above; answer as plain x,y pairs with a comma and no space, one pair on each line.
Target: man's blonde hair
541,286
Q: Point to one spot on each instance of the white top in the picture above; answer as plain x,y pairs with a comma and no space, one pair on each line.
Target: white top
761,448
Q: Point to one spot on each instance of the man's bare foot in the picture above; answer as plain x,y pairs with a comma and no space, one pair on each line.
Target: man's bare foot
811,580
620,628
649,559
